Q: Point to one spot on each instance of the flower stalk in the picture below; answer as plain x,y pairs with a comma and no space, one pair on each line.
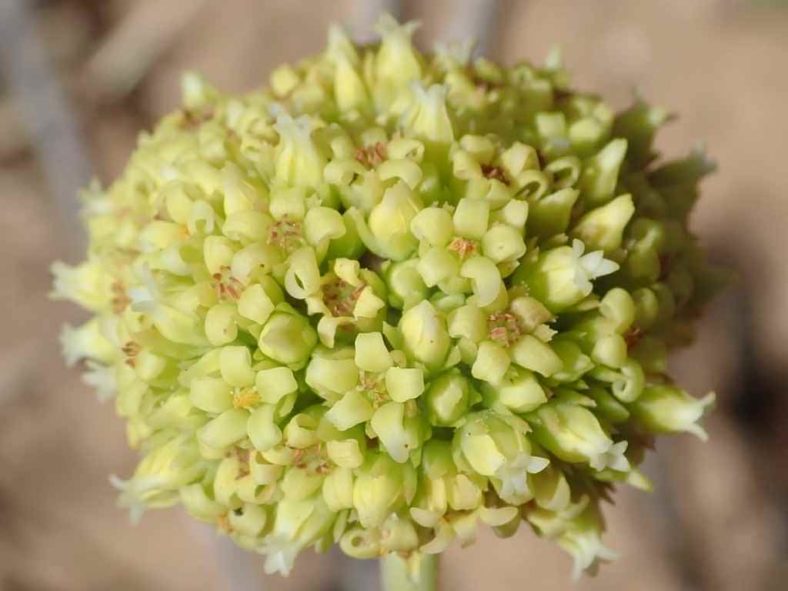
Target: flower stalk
417,573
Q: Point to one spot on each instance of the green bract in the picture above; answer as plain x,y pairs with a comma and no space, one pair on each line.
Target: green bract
388,297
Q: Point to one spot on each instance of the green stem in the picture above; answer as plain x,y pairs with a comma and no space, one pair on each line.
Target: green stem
396,574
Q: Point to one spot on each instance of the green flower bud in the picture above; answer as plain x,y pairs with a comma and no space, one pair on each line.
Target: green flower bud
349,89
428,117
433,225
573,433
600,174
583,540
492,362
262,429
574,362
86,342
389,223
298,524
531,353
199,504
287,338
562,276
398,428
381,487
495,447
299,161
406,287
448,398
519,392
550,215
159,476
603,228
424,334
224,430
626,383
397,63
667,409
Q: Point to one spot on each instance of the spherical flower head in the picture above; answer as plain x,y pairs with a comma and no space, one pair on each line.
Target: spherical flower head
390,298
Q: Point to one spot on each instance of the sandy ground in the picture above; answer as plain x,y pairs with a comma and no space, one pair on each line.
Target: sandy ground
718,518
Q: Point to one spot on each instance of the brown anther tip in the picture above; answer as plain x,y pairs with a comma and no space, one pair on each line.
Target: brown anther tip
491,171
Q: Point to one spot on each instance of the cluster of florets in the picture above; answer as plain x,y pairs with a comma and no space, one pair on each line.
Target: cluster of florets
388,297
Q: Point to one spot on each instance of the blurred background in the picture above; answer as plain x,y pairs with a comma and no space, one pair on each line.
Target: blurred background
80,78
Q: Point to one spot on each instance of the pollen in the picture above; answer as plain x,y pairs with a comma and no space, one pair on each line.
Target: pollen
246,398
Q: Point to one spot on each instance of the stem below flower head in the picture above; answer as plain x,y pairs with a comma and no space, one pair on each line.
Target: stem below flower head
415,574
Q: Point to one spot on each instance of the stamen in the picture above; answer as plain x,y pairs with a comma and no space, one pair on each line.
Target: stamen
463,247
505,328
491,171
225,285
286,234
120,300
131,349
246,398
340,297
371,156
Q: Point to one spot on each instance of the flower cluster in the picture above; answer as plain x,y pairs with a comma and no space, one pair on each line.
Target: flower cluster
388,297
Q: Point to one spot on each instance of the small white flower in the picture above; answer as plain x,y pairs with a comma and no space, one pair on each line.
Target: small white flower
145,296
280,554
590,266
102,378
613,458
514,474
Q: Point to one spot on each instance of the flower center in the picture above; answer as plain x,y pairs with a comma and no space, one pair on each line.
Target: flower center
371,156
245,398
312,459
374,387
226,286
340,297
286,234
505,328
464,247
